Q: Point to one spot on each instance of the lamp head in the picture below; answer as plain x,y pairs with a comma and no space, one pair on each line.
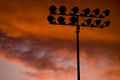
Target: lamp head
61,20
88,21
97,22
107,23
62,10
97,11
85,12
107,12
51,19
53,9
74,10
73,20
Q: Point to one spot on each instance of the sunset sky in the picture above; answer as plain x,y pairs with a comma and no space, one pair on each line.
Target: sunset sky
33,49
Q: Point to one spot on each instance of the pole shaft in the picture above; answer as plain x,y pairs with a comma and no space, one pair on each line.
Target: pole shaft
78,60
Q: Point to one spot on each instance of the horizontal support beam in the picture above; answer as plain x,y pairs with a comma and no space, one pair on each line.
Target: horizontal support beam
81,25
77,15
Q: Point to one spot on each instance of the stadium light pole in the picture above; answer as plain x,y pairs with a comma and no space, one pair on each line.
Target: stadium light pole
74,21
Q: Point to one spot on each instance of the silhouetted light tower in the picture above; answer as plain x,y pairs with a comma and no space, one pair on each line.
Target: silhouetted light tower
91,19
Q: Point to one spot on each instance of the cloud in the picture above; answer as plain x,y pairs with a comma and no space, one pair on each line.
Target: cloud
58,61
33,50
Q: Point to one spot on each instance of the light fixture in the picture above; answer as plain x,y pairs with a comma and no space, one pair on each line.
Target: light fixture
53,9
107,23
105,13
95,12
74,10
85,12
73,20
97,22
61,20
88,22
51,19
62,10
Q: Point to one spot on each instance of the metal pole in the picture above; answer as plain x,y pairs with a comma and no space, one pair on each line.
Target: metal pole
78,62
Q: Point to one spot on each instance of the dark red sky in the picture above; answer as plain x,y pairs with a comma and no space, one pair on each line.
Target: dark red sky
28,39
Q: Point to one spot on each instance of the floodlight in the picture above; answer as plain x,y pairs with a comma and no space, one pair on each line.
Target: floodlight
51,19
73,20
107,23
85,12
74,10
97,22
88,21
62,10
53,9
96,11
105,13
61,20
